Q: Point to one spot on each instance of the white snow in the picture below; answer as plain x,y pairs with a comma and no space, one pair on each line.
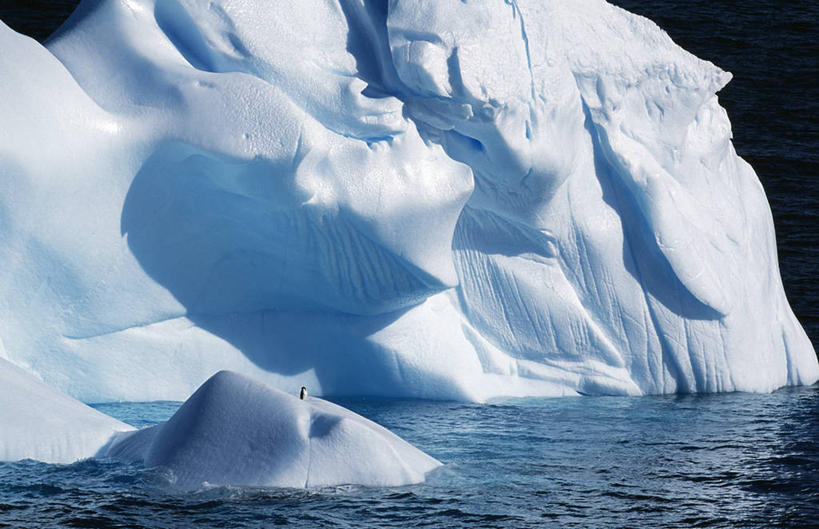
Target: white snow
38,422
426,198
231,431
235,431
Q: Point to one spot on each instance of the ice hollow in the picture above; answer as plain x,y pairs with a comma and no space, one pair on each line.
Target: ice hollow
235,431
436,199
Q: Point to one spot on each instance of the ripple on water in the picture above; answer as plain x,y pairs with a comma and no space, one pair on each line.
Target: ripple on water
733,460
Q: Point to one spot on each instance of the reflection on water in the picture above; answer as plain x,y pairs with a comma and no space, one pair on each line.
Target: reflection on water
735,460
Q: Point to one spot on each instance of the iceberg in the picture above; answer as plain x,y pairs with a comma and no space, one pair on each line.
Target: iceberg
417,198
234,431
37,422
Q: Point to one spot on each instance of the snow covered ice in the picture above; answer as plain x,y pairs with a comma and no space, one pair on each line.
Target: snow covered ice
235,431
231,431
37,422
436,199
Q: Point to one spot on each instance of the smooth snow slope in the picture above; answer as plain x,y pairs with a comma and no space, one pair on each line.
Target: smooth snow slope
235,431
37,422
433,198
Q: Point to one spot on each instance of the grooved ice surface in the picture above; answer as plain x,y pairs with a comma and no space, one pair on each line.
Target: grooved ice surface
435,198
235,431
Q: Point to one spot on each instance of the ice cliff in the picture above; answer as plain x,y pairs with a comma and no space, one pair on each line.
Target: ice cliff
440,198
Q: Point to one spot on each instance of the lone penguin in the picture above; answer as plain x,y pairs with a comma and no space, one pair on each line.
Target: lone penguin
303,393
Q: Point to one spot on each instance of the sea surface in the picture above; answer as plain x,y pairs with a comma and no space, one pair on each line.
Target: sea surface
728,461
733,460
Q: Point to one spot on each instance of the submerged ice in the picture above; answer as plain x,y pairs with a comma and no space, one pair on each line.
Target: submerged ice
433,198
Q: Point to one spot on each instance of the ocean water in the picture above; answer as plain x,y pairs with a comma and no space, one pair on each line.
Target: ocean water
735,460
721,461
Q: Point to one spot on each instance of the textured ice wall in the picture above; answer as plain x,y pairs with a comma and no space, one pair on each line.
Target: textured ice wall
420,198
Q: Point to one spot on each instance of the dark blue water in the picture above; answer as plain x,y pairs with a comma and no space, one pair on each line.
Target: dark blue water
732,460
728,461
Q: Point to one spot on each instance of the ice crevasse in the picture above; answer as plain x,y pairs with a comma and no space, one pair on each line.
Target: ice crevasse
439,199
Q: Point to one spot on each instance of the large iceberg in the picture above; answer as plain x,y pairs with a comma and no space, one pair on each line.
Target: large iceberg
426,198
